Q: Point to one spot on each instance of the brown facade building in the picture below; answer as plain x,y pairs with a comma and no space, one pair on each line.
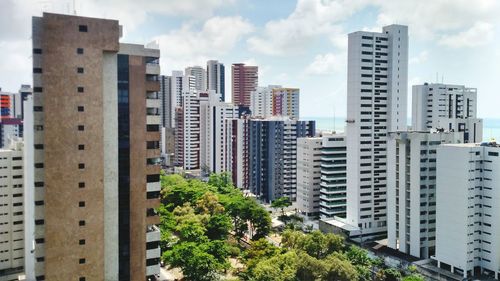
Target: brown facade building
245,80
96,152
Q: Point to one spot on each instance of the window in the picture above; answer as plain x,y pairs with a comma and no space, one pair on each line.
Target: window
39,165
79,51
80,89
81,204
153,128
38,146
37,70
39,222
81,108
79,70
81,128
39,184
81,166
81,147
81,279
81,184
153,178
81,223
39,203
40,240
81,261
37,89
81,242
37,51
82,28
38,108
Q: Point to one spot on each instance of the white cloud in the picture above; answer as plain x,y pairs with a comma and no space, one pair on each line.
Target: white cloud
16,64
327,64
311,18
191,46
420,58
479,34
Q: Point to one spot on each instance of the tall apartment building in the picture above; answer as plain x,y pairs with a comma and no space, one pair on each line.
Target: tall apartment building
333,177
166,101
376,104
240,153
11,211
245,80
468,209
448,107
411,190
179,84
308,175
216,79
96,175
261,101
200,77
273,156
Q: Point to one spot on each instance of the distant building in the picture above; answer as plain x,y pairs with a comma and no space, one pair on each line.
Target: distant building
333,177
377,82
468,209
411,190
200,77
12,211
308,175
240,153
273,156
275,100
167,101
179,84
216,79
448,107
245,80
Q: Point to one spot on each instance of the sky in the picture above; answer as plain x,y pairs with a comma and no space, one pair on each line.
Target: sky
299,43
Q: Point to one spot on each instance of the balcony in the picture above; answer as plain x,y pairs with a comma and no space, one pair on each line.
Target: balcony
153,103
153,233
153,270
152,68
153,186
153,120
153,253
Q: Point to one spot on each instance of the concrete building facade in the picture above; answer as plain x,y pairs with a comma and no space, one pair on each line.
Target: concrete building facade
245,80
376,104
200,77
216,78
468,209
308,175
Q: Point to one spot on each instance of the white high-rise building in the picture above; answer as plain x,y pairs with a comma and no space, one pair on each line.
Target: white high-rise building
215,133
11,211
308,175
333,177
216,78
468,208
411,190
261,101
179,84
376,104
448,107
200,77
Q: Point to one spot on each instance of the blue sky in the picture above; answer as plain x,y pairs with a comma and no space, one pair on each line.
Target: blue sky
295,43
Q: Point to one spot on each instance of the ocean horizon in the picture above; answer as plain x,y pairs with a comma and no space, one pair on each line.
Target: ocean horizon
491,126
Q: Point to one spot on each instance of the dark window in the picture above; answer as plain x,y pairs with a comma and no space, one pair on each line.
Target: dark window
38,165
37,70
81,261
82,28
40,240
80,109
37,108
81,242
152,144
153,128
153,178
81,184
81,223
37,51
37,89
81,166
40,259
79,70
81,147
40,278
38,146
80,89
17,158
79,51
39,184
39,222
81,128
81,204
81,279
490,153
39,203
18,222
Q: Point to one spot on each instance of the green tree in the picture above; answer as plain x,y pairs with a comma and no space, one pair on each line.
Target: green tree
316,244
281,203
209,204
339,270
358,256
414,277
218,227
309,268
223,182
278,268
392,274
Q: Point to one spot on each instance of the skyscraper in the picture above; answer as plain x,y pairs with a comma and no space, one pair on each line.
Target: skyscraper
376,104
216,80
448,107
96,139
245,80
275,100
179,84
273,156
166,101
308,175
200,77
